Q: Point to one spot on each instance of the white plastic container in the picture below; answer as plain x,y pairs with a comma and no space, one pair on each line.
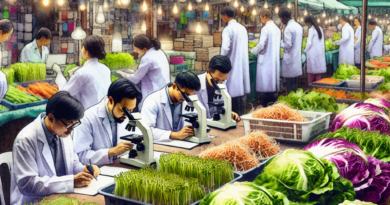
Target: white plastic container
291,131
371,81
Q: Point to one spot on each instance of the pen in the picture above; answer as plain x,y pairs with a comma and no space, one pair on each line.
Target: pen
89,167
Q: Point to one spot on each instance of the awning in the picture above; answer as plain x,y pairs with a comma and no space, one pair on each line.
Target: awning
369,3
333,4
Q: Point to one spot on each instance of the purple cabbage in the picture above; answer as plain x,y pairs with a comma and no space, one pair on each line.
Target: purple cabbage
380,103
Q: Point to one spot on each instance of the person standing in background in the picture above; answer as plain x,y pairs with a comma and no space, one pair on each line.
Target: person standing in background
268,60
235,47
375,47
315,50
358,37
346,43
6,30
292,45
37,51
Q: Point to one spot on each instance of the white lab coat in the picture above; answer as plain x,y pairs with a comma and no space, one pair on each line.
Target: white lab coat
235,47
358,34
31,54
89,84
315,52
292,45
268,59
156,113
347,42
3,85
376,43
33,172
153,72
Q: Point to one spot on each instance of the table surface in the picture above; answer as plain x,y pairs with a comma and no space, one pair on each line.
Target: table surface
221,137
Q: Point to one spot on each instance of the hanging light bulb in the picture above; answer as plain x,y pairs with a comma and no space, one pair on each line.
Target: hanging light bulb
105,5
318,20
82,7
198,28
387,15
251,2
337,18
266,5
326,21
242,8
350,17
189,6
324,15
289,5
277,9
369,16
144,6
125,2
119,2
159,11
254,12
175,10
305,13
235,4
46,2
302,19
143,26
60,2
100,19
376,19
207,8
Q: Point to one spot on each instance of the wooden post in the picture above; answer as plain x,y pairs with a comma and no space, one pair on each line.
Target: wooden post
363,51
149,18
296,10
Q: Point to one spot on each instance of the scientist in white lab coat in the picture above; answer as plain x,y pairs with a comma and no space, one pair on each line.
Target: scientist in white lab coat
268,60
235,47
153,71
375,47
44,161
315,50
292,45
162,109
37,51
6,30
346,43
97,137
90,83
358,40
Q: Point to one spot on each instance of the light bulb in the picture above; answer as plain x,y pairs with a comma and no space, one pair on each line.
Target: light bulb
46,2
289,5
305,13
277,10
198,28
105,5
175,9
266,5
337,18
242,8
189,6
350,17
324,14
82,7
159,11
254,12
100,19
387,15
326,22
143,27
207,8
318,20
376,19
125,1
119,2
235,4
60,2
144,6
369,16
302,19
251,2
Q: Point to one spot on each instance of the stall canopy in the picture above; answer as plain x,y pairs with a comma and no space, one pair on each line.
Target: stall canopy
320,4
370,3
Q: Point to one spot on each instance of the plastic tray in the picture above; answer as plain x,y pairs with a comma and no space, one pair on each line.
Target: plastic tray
356,83
340,84
112,199
287,130
25,84
13,106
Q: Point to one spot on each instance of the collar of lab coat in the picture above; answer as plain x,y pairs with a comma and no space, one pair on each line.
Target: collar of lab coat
92,60
270,22
291,21
35,44
232,21
164,101
102,113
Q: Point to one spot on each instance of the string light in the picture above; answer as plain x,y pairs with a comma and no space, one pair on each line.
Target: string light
242,8
46,2
159,11
251,2
266,5
207,8
189,6
337,18
369,16
198,28
175,10
324,15
318,20
254,12
235,4
289,5
276,9
60,2
126,2
305,13
144,6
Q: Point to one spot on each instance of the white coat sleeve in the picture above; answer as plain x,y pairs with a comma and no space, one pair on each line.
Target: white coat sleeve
387,48
309,41
60,80
27,177
226,42
149,116
357,44
374,38
287,42
83,141
74,85
24,56
77,165
344,37
142,70
260,46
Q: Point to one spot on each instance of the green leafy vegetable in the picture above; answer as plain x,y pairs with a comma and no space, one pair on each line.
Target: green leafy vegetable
304,41
384,87
345,71
336,36
385,72
68,68
19,97
342,107
329,45
247,193
29,71
116,61
252,44
114,78
10,75
64,201
281,53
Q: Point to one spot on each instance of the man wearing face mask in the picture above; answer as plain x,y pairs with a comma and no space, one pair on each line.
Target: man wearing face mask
44,161
97,137
161,110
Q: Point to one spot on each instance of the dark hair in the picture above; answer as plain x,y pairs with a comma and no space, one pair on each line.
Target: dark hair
285,13
143,41
124,88
95,47
342,17
360,21
221,63
6,26
63,105
187,79
310,19
228,11
44,32
372,22
266,12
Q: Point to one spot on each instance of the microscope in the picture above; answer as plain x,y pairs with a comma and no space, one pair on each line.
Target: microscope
142,153
198,120
223,118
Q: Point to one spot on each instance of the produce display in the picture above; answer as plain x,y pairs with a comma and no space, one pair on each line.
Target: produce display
2,108
247,193
64,201
336,36
340,94
279,111
356,202
150,186
252,44
263,146
10,75
43,90
68,68
19,97
345,71
329,45
281,53
370,177
330,81
29,71
116,61
305,178
304,42
313,101
377,63
385,72
211,173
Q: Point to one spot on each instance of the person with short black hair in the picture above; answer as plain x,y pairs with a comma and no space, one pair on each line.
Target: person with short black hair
235,47
358,37
292,45
268,60
219,69
161,110
97,138
346,43
153,70
44,161
6,30
375,46
90,83
37,51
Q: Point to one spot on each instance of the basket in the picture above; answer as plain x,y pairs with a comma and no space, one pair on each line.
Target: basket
13,106
290,131
376,80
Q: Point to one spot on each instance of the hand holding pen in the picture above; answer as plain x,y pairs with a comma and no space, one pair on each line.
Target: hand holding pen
92,169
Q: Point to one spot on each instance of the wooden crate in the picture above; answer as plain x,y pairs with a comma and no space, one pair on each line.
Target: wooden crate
206,54
203,41
202,66
217,37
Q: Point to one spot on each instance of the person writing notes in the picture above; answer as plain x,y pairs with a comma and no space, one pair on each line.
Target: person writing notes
97,136
346,43
37,51
161,110
6,30
44,161
376,42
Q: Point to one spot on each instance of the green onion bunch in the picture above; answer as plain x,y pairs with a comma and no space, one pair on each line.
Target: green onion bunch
211,173
10,74
150,186
116,61
25,72
19,97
